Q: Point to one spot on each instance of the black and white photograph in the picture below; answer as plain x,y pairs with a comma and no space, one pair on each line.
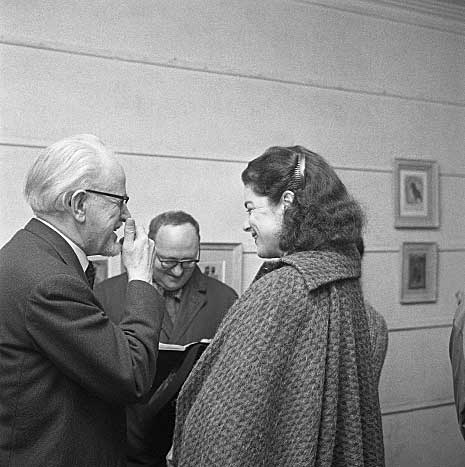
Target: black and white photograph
233,233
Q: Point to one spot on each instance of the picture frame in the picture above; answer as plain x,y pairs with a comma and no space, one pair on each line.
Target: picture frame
419,272
223,261
416,194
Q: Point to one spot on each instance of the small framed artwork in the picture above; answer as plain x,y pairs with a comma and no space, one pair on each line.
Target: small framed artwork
222,261
101,268
419,272
416,193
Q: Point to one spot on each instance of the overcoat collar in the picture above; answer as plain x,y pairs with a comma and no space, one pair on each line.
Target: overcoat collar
57,243
319,267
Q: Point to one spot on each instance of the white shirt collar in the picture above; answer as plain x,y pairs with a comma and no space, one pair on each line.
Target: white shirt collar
82,257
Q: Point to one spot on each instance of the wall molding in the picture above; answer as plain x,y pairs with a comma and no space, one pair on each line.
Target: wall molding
431,14
394,409
130,57
402,327
40,144
250,249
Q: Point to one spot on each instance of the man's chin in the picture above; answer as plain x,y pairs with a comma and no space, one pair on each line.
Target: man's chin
111,249
173,285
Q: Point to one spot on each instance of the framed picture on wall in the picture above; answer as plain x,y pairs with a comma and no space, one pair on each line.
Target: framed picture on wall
419,272
416,193
223,261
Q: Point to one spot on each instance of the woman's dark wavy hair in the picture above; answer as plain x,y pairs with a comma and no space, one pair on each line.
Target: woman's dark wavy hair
323,214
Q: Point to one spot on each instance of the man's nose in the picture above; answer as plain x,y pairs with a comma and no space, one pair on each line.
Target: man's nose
125,214
177,270
246,226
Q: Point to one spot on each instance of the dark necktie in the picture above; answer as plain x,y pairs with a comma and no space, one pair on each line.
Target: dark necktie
172,304
90,274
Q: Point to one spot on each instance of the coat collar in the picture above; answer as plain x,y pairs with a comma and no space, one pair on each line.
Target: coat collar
321,267
57,243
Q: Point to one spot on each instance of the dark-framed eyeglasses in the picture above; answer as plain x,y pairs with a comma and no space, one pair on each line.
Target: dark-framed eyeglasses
168,263
124,198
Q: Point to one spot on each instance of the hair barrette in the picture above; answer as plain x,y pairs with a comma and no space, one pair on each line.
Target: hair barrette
299,172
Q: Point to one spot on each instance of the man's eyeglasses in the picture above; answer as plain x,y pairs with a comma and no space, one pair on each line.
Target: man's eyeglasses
172,263
124,199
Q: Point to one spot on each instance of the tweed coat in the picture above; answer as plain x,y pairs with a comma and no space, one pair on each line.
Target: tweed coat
288,378
379,339
66,370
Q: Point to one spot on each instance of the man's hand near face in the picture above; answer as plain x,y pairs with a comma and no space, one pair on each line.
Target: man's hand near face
137,252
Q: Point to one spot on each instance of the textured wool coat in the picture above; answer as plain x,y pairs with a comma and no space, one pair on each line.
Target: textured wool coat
288,379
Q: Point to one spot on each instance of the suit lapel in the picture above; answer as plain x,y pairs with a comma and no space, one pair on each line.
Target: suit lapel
192,300
57,243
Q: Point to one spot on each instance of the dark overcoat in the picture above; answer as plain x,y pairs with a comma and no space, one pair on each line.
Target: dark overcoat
66,369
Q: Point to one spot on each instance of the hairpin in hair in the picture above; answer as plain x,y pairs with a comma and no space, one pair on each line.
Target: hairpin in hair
298,179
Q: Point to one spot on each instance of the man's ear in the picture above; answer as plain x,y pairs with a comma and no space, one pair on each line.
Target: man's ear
77,205
287,198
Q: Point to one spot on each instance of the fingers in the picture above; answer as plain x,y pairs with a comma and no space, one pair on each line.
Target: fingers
138,252
151,252
129,231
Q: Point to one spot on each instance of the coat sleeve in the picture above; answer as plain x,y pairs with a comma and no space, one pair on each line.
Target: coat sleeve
68,325
111,294
457,358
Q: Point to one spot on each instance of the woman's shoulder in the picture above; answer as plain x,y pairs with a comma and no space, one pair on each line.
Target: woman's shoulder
279,292
285,278
323,267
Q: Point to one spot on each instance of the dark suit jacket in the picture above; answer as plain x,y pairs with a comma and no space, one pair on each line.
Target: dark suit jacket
204,302
66,369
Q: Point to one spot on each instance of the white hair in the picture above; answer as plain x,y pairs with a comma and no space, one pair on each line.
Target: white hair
70,164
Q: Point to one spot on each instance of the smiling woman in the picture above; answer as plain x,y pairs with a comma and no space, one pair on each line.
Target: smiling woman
264,223
288,380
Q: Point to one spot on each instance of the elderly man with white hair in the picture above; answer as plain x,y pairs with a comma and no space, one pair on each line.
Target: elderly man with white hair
67,371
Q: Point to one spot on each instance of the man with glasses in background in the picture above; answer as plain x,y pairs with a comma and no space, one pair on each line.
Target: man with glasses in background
195,305
67,371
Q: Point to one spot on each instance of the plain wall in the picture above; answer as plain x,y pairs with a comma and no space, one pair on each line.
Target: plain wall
188,91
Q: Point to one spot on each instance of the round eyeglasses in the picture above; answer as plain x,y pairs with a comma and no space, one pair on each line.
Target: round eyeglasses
168,263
